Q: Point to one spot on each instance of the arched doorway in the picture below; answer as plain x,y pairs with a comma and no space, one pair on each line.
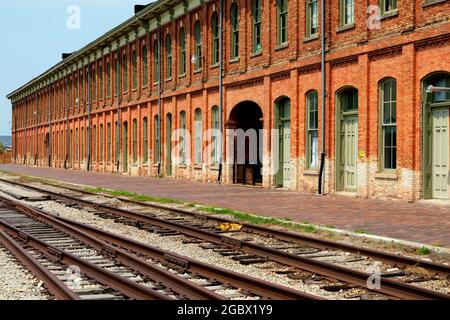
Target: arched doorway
347,139
246,119
47,147
436,137
283,125
125,147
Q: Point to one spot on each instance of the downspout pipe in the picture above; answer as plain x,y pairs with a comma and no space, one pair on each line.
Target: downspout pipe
25,136
324,95
159,100
37,130
119,95
221,139
89,120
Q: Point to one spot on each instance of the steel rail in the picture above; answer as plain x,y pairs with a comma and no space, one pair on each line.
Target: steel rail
125,286
250,284
279,234
388,286
55,286
176,283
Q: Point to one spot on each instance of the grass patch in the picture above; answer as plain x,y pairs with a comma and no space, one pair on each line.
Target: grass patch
362,231
132,196
423,251
330,226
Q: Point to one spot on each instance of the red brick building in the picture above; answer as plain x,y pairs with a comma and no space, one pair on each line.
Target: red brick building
116,105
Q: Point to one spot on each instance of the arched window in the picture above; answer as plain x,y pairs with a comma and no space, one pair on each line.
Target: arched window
215,38
117,138
145,146
234,31
215,125
156,57
183,137
282,22
101,144
168,57
108,142
108,79
256,22
135,70
157,147
125,73
94,84
145,68
100,77
83,141
77,154
198,136
135,141
94,145
198,45
388,114
312,132
182,51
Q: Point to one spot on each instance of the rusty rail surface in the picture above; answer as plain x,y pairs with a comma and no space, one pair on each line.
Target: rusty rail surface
278,234
388,286
55,286
112,244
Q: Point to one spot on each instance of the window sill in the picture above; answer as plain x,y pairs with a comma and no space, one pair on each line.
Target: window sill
197,71
282,46
214,66
169,79
215,167
345,28
429,3
181,76
386,176
389,14
182,166
311,38
197,167
234,60
145,87
134,90
311,172
256,54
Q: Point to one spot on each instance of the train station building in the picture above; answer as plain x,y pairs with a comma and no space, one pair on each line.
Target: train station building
281,83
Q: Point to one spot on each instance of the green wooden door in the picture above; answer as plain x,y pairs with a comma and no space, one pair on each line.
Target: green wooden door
125,147
440,153
283,175
350,152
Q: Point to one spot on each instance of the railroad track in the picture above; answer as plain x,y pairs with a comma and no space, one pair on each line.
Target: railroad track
289,249
171,276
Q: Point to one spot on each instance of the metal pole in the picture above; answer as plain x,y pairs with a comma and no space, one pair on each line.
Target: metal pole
159,100
119,94
221,139
89,119
324,95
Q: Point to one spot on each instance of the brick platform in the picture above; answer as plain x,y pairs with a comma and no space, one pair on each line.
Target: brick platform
426,222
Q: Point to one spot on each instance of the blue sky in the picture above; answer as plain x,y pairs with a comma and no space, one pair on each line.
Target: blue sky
34,33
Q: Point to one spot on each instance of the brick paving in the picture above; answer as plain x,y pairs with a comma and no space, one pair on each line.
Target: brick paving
424,221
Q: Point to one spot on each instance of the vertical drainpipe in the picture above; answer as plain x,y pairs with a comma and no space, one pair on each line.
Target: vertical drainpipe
119,94
324,95
89,118
67,125
36,125
25,135
50,129
221,139
159,100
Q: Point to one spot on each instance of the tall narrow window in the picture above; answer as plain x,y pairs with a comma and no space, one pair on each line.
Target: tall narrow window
182,51
108,142
312,18
388,95
108,79
145,146
157,147
77,151
145,66
168,57
94,84
100,77
117,76
215,38
83,141
135,140
198,136
198,45
156,59
256,21
312,139
282,22
101,144
94,144
388,6
234,31
347,12
117,138
125,73
183,137
135,70
215,152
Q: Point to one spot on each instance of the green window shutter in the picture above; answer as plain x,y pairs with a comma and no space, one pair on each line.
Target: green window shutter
234,31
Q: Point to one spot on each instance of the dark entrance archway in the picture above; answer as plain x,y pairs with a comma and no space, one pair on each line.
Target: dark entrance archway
246,119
